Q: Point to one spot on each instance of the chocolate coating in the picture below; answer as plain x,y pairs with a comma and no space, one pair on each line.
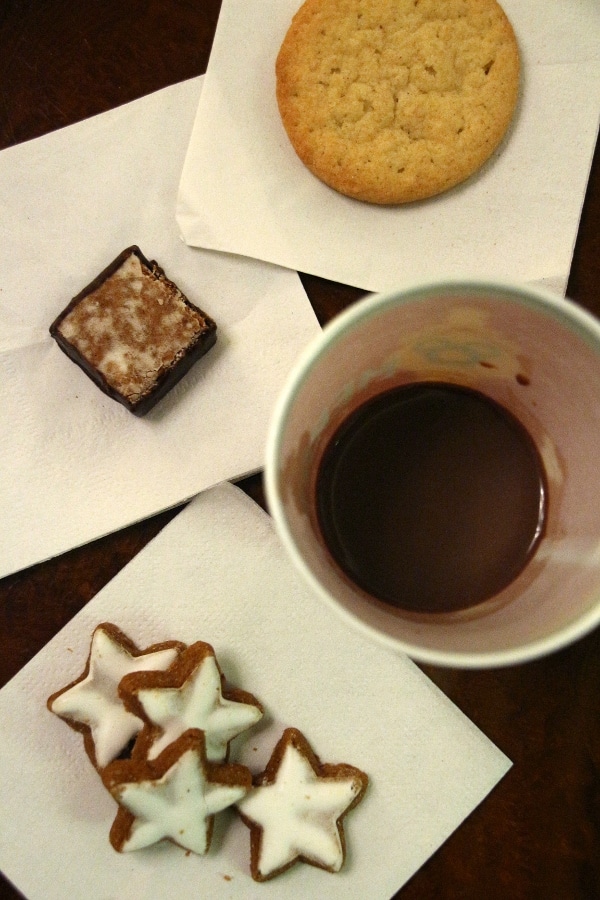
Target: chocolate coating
133,332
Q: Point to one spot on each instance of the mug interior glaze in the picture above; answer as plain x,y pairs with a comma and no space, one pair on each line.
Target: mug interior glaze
532,352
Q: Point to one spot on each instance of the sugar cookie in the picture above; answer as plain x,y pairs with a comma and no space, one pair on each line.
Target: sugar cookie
391,101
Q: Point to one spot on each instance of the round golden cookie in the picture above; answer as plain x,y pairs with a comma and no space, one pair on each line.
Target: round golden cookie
391,101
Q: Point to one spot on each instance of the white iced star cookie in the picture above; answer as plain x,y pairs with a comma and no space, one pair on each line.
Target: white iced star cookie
192,694
296,808
91,704
174,798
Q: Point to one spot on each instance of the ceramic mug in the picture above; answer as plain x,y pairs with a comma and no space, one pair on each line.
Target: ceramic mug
532,352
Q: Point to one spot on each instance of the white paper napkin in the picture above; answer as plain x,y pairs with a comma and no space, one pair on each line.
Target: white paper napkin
244,190
76,464
218,573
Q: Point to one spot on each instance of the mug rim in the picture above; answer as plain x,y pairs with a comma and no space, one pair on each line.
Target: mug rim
569,313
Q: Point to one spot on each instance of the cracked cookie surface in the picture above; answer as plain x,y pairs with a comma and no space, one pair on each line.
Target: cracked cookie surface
391,101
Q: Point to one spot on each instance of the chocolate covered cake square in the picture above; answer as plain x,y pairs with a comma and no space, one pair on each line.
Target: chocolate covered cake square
133,332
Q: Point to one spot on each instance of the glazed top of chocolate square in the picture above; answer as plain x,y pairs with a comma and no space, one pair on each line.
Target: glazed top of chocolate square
132,326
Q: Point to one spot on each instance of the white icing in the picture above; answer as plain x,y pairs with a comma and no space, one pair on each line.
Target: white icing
131,268
198,703
95,700
177,806
298,814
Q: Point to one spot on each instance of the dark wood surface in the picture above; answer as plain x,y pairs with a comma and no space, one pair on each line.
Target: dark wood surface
538,834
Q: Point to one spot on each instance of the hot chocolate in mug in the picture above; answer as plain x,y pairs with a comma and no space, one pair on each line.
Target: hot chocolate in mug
432,470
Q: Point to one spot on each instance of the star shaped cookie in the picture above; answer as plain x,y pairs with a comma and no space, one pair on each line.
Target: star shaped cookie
192,694
91,704
174,798
296,808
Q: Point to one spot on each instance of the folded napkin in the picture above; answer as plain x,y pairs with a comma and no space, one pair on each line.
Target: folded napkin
218,573
244,190
76,464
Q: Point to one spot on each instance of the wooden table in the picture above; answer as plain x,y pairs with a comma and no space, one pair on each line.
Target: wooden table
538,834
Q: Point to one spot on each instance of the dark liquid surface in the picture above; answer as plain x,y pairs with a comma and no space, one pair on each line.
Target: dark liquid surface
431,497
